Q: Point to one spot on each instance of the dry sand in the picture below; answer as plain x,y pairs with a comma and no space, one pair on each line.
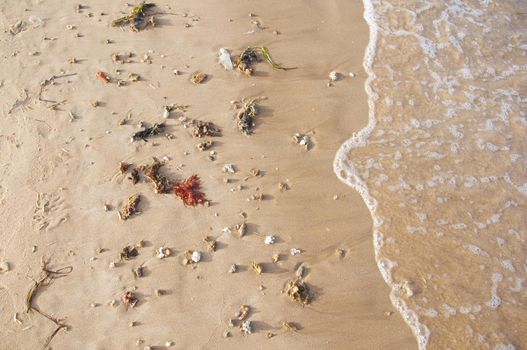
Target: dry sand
58,173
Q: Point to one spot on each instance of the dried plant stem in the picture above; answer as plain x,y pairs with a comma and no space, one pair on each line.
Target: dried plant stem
46,278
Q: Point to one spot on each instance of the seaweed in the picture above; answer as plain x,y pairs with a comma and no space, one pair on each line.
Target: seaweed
246,116
252,55
136,18
299,291
161,183
189,191
201,129
128,253
46,278
147,132
130,207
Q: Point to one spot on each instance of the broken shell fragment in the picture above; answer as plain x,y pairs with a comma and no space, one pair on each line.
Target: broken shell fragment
295,251
269,240
334,76
196,256
243,312
129,299
163,252
229,168
242,229
256,267
233,268
4,266
302,140
198,77
246,327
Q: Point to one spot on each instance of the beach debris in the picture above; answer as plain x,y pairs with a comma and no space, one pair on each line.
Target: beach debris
136,18
205,145
300,271
176,72
247,114
166,112
134,77
289,327
246,328
196,256
123,167
163,252
352,75
269,335
251,55
44,280
198,77
254,172
4,266
105,78
191,257
201,129
16,28
269,240
134,176
161,183
225,59
257,27
128,253
130,207
129,299
147,132
243,312
276,258
211,244
189,191
283,186
334,76
233,268
229,168
138,271
298,291
256,267
340,252
302,140
241,229
226,334
295,251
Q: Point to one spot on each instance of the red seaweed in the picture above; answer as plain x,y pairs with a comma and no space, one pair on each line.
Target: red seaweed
189,191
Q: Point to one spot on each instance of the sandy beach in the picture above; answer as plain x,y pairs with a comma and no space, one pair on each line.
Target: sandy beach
64,133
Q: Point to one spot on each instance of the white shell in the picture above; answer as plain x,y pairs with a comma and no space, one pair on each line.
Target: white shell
229,168
269,240
295,251
166,113
225,59
246,327
196,256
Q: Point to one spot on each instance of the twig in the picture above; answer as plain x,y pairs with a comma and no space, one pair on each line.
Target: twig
46,277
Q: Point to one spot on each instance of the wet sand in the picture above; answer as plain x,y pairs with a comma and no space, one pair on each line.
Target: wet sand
58,172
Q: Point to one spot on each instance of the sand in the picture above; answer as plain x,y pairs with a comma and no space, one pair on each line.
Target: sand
59,169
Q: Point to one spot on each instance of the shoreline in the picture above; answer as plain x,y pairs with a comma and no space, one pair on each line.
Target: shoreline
70,164
346,172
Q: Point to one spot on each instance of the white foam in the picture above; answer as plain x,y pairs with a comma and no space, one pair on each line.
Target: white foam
346,172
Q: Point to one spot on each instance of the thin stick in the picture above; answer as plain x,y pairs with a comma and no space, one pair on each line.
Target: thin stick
46,277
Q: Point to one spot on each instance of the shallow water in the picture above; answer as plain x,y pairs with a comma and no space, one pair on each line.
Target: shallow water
442,166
